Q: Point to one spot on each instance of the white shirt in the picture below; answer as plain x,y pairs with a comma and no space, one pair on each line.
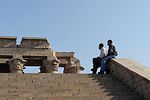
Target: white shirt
103,52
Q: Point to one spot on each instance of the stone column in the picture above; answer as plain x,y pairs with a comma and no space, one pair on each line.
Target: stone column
70,68
16,65
50,66
73,66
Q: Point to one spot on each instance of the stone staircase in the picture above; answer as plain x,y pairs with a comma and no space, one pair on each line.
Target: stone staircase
45,86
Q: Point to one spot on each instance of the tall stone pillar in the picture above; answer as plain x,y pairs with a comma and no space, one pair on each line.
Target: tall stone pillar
50,66
16,65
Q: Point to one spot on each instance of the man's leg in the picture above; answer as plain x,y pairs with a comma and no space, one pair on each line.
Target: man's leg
96,64
104,63
94,70
93,61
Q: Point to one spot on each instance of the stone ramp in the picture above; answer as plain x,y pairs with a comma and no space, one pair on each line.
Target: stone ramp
46,86
133,74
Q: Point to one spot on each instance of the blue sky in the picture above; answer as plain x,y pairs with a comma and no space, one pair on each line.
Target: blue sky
80,25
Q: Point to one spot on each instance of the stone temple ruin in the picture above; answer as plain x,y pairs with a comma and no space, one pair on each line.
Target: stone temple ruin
34,52
128,80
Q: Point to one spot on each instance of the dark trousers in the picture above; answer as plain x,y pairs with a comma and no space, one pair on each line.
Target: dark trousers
96,64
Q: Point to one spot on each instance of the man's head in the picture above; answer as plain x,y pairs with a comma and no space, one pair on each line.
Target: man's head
101,45
109,42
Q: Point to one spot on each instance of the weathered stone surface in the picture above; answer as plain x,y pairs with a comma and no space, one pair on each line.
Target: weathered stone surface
50,66
33,42
135,75
7,42
69,62
64,54
36,51
47,86
16,65
73,66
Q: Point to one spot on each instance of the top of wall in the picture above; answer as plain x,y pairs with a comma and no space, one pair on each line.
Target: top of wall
34,42
26,42
7,42
33,38
8,37
134,67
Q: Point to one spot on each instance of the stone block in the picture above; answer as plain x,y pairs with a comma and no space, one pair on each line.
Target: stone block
64,54
34,43
3,98
37,98
7,42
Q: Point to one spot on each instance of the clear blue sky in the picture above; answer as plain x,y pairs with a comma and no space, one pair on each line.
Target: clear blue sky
80,25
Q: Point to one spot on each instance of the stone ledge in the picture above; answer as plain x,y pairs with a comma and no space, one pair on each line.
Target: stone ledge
8,37
33,38
7,42
133,74
64,54
134,67
34,42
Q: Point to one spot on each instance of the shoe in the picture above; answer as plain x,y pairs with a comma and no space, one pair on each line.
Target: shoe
101,72
92,69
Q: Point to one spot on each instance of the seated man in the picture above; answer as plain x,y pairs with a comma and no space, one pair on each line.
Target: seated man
96,61
112,53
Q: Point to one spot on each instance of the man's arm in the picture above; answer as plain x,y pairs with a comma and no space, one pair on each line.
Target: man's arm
114,51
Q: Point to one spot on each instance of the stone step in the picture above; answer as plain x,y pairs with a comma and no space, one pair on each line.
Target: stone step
63,87
73,98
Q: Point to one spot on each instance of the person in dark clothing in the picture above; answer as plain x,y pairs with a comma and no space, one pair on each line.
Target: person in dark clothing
112,53
97,60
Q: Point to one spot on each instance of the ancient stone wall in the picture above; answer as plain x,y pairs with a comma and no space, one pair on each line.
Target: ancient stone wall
133,74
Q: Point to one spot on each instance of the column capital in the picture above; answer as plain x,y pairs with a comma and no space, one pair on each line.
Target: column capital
50,66
16,65
73,66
